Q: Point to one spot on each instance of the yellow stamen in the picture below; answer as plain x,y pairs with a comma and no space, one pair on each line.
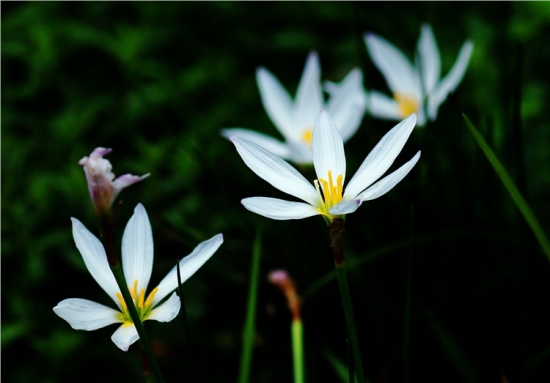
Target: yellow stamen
150,297
406,103
121,300
141,298
307,135
133,291
329,194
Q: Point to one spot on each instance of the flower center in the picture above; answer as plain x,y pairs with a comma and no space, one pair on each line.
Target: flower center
407,104
143,306
307,135
329,194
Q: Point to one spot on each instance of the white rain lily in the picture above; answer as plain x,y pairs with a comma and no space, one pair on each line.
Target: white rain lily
347,106
416,89
326,196
137,265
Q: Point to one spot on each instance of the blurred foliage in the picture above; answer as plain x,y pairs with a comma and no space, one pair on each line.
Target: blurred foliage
157,81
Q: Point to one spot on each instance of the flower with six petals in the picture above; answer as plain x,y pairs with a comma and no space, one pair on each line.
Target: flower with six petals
346,105
416,88
137,264
327,197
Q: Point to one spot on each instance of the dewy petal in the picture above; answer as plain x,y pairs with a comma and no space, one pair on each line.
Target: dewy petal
275,170
95,259
430,66
188,266
166,311
380,158
125,336
347,103
309,97
83,314
396,68
328,148
269,143
387,183
451,81
276,101
382,106
137,249
279,209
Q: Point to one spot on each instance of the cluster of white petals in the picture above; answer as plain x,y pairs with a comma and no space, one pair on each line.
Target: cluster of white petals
416,88
137,264
294,119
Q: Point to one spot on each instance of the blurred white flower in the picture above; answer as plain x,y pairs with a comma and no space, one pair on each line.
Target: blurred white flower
137,265
102,185
416,88
327,197
294,120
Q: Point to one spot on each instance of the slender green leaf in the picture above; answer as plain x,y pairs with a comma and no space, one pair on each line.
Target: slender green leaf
512,189
249,327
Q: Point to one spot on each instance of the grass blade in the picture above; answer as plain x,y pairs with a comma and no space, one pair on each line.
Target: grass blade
512,189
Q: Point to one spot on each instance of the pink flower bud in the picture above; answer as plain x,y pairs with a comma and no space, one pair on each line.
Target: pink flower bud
101,183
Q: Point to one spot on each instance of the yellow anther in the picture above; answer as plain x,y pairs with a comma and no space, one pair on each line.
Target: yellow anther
307,135
133,291
141,298
150,297
121,300
406,103
329,193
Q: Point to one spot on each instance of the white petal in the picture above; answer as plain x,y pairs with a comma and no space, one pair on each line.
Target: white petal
95,259
276,101
188,266
125,336
451,81
166,311
380,158
382,106
347,103
279,209
429,65
400,74
275,170
137,249
328,148
83,314
345,207
387,183
309,97
269,143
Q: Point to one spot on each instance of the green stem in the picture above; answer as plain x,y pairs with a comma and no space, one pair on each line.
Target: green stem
107,239
298,350
119,276
350,321
336,231
249,327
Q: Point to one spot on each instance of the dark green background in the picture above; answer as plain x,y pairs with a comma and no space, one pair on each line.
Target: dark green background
157,81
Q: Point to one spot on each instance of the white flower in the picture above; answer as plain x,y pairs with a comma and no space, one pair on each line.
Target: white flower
137,264
293,119
102,185
417,87
327,197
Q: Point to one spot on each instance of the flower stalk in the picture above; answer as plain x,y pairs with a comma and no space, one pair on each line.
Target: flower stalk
336,234
108,244
282,280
